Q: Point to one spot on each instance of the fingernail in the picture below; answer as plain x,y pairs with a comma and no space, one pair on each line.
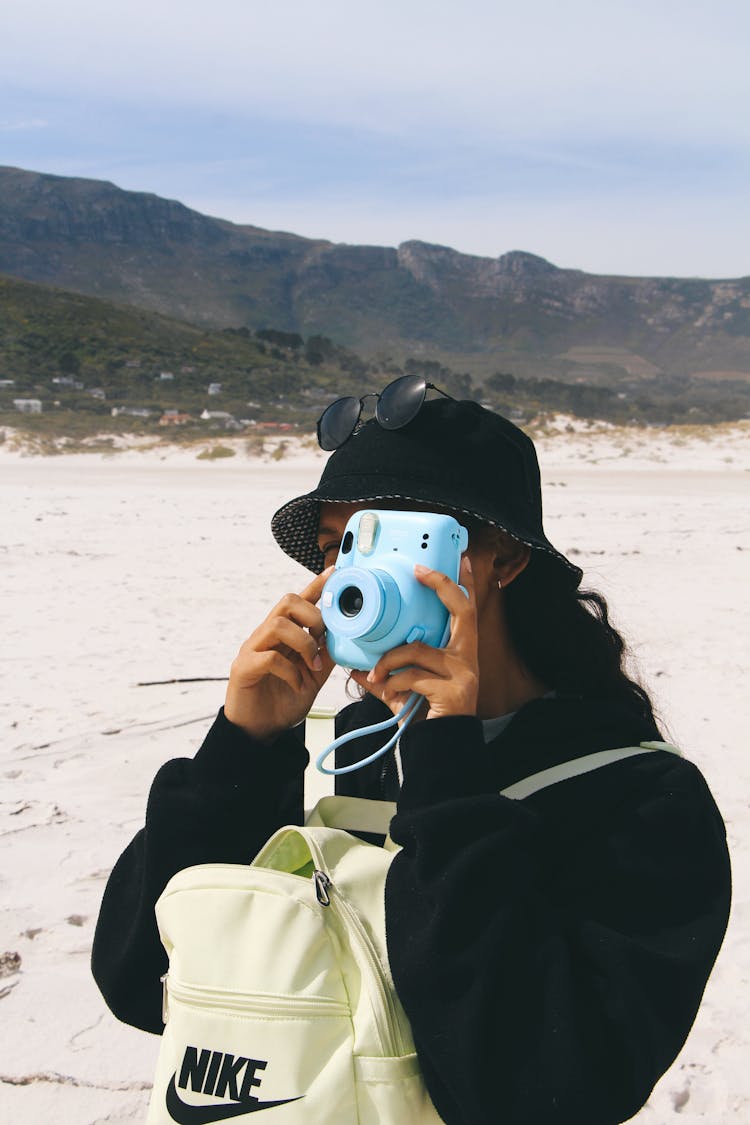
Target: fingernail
419,569
371,677
468,563
317,663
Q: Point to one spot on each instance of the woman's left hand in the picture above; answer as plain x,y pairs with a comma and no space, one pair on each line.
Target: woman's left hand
448,678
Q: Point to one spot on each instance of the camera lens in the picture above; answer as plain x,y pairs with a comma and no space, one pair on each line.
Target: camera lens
351,601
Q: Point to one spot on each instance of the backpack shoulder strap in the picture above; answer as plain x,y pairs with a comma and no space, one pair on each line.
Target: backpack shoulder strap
579,766
352,814
320,728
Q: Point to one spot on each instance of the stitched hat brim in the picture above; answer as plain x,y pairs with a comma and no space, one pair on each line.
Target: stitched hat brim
295,524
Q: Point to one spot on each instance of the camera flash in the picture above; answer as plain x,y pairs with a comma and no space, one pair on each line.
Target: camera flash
367,533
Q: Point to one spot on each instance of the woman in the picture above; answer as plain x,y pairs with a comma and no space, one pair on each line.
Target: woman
550,953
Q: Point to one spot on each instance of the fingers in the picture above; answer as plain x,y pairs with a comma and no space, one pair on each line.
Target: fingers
274,664
312,592
383,691
282,634
302,608
463,640
294,630
452,596
285,651
455,693
416,654
448,677
281,667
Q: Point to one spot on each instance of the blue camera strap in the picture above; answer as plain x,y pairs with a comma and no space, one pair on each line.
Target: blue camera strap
404,717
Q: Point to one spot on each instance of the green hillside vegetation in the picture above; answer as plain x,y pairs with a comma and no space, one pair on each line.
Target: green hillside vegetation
103,355
89,362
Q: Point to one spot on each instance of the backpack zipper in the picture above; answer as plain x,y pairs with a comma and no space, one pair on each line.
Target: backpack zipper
387,1018
259,1003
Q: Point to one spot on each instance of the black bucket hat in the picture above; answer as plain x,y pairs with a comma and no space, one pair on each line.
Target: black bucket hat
455,455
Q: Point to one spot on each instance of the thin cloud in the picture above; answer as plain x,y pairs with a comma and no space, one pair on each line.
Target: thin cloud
22,126
485,69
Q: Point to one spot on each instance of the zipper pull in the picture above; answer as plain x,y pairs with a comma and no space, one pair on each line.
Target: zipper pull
164,1003
322,884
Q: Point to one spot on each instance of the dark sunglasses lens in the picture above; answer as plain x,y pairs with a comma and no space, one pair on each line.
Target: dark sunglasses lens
401,401
337,422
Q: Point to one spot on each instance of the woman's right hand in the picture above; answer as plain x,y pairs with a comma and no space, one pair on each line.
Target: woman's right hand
281,667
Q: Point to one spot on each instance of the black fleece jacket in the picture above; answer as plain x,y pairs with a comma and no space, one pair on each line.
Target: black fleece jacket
550,953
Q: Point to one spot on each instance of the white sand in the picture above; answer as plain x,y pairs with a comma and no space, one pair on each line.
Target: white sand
131,568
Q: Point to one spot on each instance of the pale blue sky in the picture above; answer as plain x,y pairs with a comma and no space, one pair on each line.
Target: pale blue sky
609,136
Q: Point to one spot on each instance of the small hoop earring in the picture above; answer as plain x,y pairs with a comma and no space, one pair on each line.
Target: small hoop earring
499,584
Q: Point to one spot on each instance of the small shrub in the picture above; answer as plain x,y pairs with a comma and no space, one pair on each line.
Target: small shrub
255,446
216,452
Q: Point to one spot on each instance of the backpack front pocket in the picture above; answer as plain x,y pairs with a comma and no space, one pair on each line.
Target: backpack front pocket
393,1090
226,1054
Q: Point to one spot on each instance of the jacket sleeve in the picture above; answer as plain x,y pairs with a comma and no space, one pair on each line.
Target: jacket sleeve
551,953
218,807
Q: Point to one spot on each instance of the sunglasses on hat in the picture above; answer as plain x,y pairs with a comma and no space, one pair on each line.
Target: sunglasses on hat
396,406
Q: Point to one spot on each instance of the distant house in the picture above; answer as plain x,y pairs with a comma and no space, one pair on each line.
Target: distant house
28,405
132,363
97,392
166,376
67,381
217,415
174,418
214,388
7,382
131,411
227,420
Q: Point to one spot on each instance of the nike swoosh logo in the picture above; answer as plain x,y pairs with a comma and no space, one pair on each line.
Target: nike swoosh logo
185,1114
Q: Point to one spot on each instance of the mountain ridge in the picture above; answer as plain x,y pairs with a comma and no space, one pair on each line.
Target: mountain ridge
518,310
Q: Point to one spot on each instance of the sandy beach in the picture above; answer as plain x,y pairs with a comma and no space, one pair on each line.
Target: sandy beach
150,566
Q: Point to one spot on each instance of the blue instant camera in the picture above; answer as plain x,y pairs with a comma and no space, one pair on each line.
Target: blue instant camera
373,602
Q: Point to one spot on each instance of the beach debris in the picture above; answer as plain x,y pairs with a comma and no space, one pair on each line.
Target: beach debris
75,919
680,1099
10,963
56,1079
183,680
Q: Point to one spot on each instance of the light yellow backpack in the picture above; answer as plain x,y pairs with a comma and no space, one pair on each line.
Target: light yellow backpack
279,995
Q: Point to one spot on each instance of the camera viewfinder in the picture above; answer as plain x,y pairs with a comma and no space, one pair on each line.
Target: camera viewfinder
347,543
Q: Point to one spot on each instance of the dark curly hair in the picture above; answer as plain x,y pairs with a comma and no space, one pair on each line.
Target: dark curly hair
564,636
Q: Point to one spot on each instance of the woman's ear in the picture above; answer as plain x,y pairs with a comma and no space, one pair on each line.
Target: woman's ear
509,561
497,557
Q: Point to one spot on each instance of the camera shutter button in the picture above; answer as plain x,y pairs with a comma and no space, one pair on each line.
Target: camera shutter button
416,633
